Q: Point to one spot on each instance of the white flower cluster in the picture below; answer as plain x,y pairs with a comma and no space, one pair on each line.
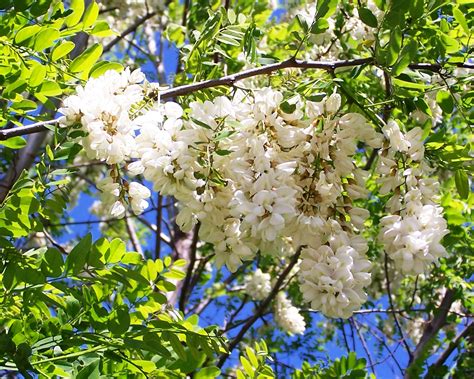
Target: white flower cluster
412,237
258,285
287,316
261,174
103,108
259,178
334,275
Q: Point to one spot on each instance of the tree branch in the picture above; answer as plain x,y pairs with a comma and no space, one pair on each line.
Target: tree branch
389,293
130,29
261,309
189,271
229,80
133,236
431,329
469,330
364,346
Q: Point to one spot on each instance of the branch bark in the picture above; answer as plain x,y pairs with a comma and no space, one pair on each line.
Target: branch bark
468,331
261,309
140,21
431,329
230,80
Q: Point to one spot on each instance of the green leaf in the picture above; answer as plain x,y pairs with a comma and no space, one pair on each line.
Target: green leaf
416,8
86,60
252,356
46,38
367,17
49,88
120,321
247,366
26,33
25,105
394,46
450,44
223,152
77,258
14,142
459,16
90,371
462,183
176,345
101,68
62,49
91,14
208,373
37,75
406,57
22,5
287,107
13,88
40,7
445,101
52,264
102,29
406,84
77,7
326,8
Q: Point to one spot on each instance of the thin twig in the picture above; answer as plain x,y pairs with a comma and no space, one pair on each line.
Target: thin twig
364,345
431,329
133,236
469,330
132,28
389,293
261,309
229,80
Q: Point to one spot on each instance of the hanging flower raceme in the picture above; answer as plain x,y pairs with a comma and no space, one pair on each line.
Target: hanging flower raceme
412,236
288,316
261,174
257,285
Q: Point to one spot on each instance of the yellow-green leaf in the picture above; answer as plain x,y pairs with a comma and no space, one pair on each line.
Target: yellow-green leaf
91,14
62,49
37,75
86,60
77,7
46,38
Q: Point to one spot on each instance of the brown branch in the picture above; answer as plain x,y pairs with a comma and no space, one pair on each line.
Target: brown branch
230,80
261,308
390,352
184,20
189,270
389,293
183,246
140,21
159,216
26,129
468,331
364,346
133,236
431,329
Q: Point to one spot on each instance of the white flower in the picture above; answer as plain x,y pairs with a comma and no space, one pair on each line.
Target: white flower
333,103
138,193
287,316
257,285
413,240
118,209
333,277
135,168
396,137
